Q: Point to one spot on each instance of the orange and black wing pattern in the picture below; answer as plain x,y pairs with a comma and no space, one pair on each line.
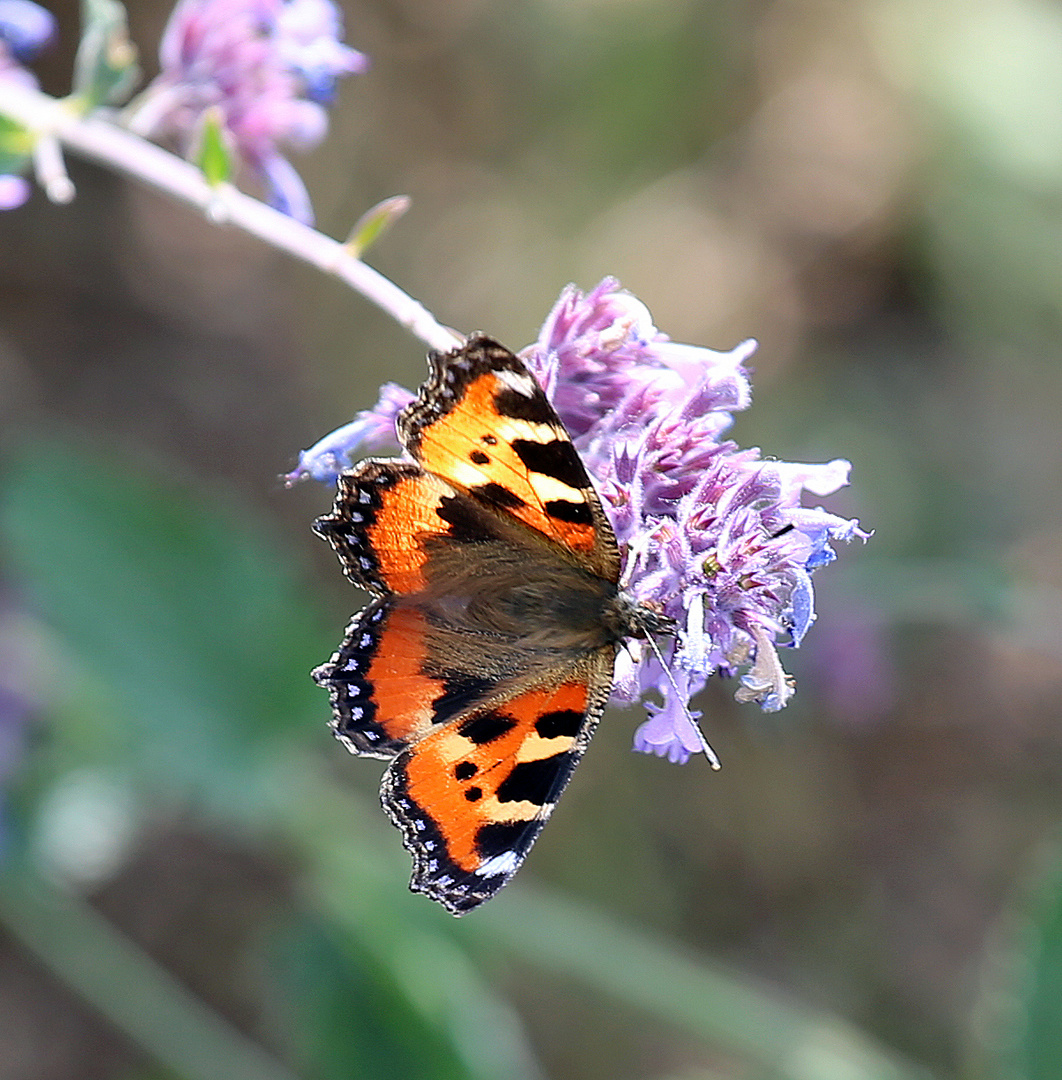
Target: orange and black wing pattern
482,423
472,797
386,514
382,698
401,670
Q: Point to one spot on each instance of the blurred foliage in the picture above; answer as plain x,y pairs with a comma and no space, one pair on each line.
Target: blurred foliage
1039,1029
1018,1020
187,619
198,883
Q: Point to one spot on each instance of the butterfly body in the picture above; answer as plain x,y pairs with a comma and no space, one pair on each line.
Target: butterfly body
483,664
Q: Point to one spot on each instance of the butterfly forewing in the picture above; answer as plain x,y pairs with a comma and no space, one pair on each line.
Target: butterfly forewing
483,424
384,513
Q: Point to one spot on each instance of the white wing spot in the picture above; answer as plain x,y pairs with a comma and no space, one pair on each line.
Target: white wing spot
469,475
533,430
548,489
505,863
522,384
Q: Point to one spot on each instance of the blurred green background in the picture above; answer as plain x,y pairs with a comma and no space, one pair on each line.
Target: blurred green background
196,880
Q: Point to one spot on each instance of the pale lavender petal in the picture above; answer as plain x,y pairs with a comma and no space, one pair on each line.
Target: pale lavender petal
669,732
285,190
801,607
25,28
372,430
14,191
820,480
267,67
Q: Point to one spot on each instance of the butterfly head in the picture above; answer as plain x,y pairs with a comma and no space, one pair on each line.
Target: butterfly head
632,618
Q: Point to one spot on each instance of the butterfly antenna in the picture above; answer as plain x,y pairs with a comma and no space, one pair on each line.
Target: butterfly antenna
709,753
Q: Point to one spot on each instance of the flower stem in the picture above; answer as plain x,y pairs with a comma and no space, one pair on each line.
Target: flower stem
101,141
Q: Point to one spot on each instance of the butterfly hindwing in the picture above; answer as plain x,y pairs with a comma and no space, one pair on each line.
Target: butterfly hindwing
400,673
381,698
472,797
482,423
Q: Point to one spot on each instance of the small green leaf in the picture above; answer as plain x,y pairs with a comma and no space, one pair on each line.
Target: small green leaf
16,146
213,153
374,223
105,69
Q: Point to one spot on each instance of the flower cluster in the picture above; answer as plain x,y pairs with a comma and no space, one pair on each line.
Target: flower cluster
25,29
711,535
265,68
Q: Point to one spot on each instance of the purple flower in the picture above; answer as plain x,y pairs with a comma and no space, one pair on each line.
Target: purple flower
371,430
267,67
25,29
711,535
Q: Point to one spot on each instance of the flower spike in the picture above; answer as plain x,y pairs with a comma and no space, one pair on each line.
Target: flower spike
268,67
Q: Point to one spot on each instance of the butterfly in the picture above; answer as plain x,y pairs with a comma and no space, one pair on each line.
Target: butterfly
483,663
